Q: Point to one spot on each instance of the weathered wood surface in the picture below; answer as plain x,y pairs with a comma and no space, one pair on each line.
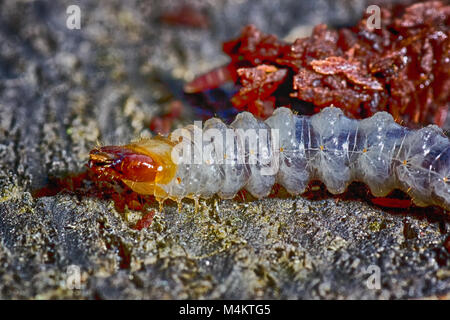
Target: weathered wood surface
63,90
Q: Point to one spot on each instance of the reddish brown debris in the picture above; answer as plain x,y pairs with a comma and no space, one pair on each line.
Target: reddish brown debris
352,70
163,124
186,15
145,221
258,85
447,243
90,183
402,68
212,79
392,202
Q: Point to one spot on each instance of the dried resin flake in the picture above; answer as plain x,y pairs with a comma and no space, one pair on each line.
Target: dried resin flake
402,68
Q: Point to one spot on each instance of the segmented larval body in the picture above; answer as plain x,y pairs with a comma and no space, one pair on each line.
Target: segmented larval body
326,146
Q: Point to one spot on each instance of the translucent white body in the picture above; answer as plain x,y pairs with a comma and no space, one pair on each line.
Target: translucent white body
326,146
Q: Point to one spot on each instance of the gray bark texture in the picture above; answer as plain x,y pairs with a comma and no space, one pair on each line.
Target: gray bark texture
63,90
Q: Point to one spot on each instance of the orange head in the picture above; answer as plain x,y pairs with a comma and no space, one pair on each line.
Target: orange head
118,162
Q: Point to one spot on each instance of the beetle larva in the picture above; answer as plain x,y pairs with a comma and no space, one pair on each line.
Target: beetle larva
287,149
